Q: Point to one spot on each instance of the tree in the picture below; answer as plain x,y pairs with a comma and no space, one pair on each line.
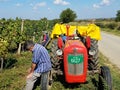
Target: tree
67,15
118,15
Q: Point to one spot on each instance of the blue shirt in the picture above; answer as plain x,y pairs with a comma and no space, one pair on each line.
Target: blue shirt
64,38
41,58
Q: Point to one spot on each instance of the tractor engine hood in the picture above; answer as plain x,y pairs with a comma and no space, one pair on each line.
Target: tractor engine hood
75,61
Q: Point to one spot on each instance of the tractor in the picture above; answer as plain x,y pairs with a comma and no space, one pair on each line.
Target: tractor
79,55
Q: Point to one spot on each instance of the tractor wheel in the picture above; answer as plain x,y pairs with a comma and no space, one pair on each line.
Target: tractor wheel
105,79
53,50
44,81
93,55
55,60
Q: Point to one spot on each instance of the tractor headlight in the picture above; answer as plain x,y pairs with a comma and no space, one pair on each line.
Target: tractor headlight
59,52
92,52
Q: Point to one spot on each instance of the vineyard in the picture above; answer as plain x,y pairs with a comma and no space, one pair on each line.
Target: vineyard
13,33
14,60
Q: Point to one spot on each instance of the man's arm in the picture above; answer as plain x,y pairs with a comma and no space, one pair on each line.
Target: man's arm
33,66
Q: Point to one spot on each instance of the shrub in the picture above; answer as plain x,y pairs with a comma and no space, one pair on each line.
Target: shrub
111,25
100,25
118,28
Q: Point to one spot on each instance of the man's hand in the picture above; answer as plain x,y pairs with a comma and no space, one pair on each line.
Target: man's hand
29,75
43,41
31,70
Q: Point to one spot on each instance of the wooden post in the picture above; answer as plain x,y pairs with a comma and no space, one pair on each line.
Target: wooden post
1,68
33,36
20,44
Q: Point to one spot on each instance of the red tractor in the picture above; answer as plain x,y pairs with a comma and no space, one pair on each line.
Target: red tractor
77,59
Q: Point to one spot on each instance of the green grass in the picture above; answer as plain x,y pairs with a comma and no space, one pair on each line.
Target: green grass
115,72
115,32
14,78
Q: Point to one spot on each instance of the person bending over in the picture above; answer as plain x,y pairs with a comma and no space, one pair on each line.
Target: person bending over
41,65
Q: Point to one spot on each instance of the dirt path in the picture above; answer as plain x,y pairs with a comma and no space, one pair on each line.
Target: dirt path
110,47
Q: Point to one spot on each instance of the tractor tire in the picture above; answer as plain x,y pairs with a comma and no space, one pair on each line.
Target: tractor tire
53,50
105,79
54,60
93,58
44,81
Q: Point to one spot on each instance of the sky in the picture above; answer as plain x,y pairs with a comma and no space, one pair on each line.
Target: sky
51,9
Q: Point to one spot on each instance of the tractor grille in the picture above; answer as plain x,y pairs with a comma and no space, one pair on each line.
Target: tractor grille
75,64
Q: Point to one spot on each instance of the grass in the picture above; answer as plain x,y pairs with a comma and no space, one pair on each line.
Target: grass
115,72
115,32
14,78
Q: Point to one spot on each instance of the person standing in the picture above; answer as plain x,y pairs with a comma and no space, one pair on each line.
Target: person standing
45,39
64,38
41,65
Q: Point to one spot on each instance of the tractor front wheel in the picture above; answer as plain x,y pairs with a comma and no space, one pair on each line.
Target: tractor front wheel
105,79
45,81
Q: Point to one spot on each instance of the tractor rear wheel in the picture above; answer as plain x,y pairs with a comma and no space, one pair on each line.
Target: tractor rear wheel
105,79
93,55
53,50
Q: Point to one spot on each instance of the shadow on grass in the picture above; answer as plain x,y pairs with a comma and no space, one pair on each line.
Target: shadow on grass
95,82
9,63
73,86
37,83
61,79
